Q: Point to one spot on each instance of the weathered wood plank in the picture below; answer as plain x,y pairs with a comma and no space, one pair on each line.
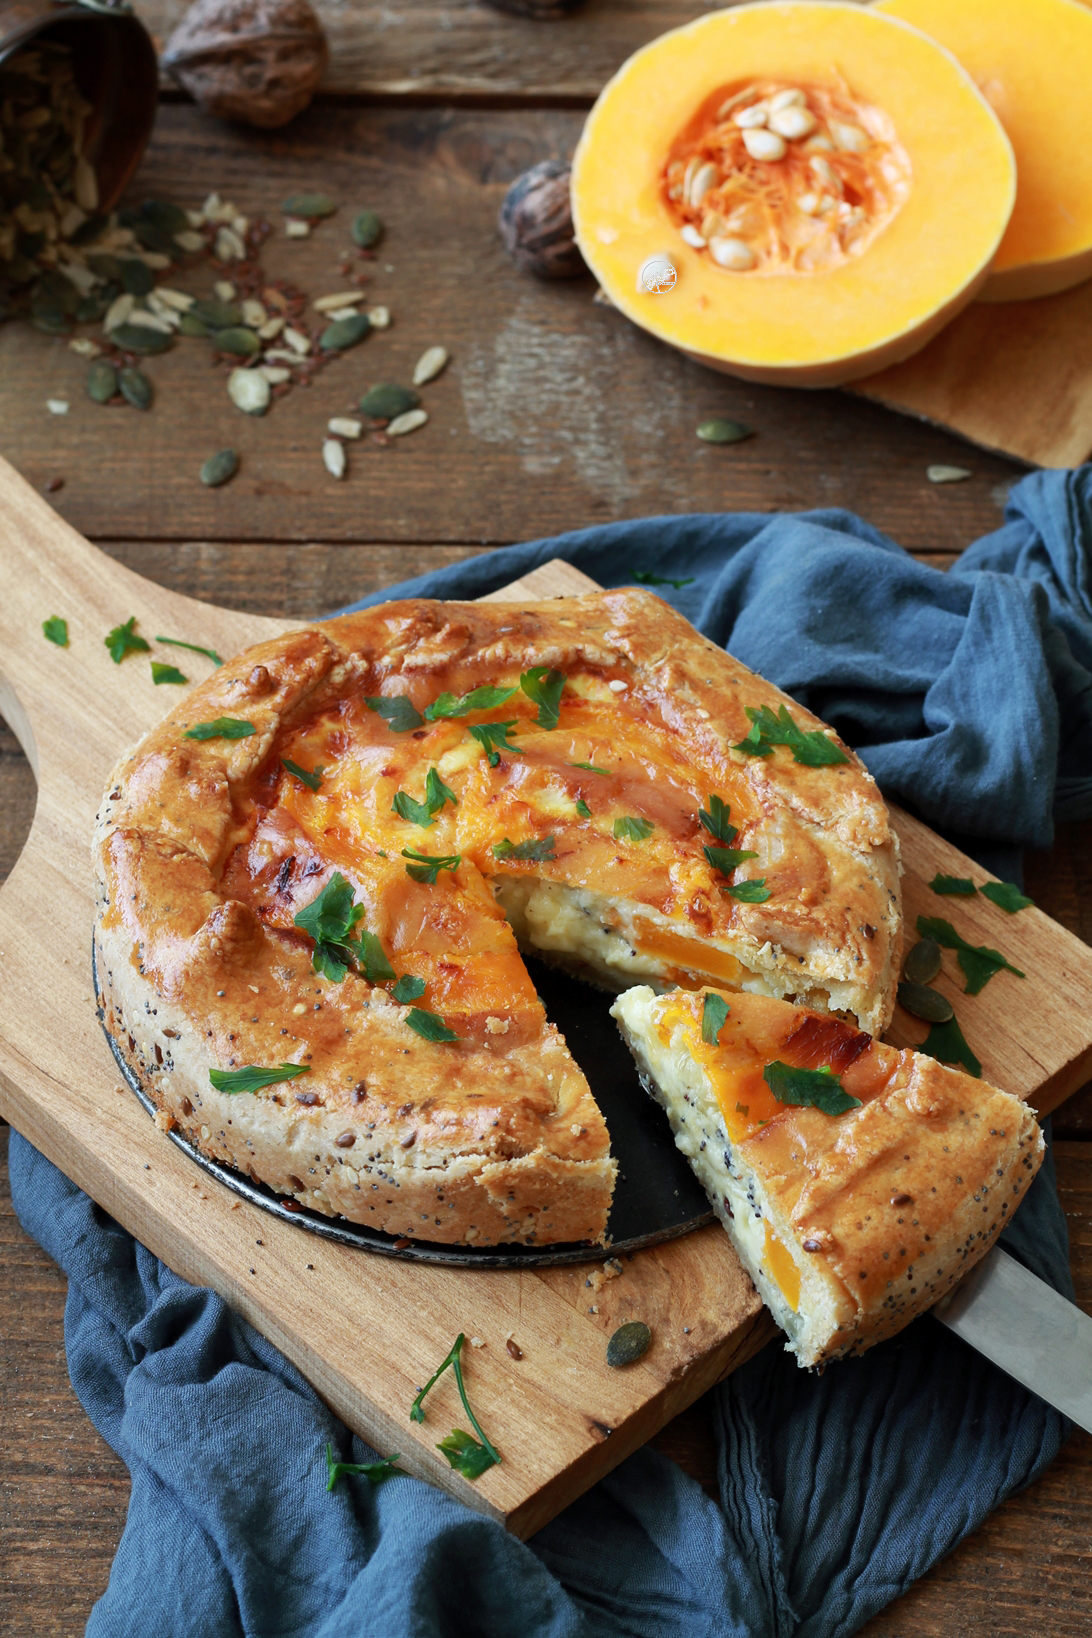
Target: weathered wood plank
553,414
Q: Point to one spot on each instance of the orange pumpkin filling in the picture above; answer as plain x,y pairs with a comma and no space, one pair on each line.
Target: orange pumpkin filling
769,177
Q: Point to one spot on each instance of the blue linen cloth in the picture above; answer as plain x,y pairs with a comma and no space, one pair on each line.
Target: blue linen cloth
970,697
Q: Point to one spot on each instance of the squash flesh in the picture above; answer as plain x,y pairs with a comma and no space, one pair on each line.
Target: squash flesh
1032,59
815,328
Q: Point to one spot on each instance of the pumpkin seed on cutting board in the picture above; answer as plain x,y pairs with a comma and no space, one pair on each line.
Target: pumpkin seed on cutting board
367,229
236,340
922,962
219,468
345,332
102,381
140,338
308,206
136,389
629,1343
385,401
719,431
925,1003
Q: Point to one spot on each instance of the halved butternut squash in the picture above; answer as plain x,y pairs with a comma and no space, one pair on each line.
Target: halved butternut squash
801,191
1032,59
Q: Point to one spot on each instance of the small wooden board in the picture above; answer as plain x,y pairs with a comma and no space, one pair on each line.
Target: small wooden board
366,1332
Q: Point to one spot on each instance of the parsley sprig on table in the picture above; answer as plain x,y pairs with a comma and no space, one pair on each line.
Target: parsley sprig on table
814,748
194,648
809,1088
1006,895
163,673
978,961
948,1044
466,1455
376,1472
123,640
55,630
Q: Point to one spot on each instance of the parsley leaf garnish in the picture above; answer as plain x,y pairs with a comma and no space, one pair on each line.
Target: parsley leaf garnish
123,640
953,886
329,919
408,989
810,1088
1006,895
814,749
421,813
429,1025
591,767
464,1453
166,673
947,1043
540,848
628,829
543,688
484,698
398,712
582,808
55,630
221,728
726,859
428,867
642,577
375,1471
194,648
253,1078
752,892
311,780
716,820
978,961
493,737
714,1011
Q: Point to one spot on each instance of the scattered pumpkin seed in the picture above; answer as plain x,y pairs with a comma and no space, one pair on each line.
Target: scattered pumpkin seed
308,206
219,468
342,427
409,422
333,457
344,332
141,338
367,229
136,389
948,474
724,432
925,1003
229,246
629,1343
217,315
136,278
429,365
236,340
191,325
922,962
102,381
249,391
387,400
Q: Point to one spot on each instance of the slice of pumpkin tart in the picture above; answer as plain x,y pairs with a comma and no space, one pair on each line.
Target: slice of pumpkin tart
318,873
857,1182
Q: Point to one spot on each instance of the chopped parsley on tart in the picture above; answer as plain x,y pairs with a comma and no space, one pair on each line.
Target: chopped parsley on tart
582,779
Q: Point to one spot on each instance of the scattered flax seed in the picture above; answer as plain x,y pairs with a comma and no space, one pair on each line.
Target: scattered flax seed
53,485
513,1347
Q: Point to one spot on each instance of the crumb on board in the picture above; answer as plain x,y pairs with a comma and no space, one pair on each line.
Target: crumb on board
165,1121
598,1278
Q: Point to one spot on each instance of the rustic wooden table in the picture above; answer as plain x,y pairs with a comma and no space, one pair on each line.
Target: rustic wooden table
553,414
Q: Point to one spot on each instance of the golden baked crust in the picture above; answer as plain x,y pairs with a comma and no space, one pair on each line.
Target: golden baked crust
878,1211
206,850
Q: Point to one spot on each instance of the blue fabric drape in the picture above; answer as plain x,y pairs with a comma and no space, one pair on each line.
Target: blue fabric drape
970,697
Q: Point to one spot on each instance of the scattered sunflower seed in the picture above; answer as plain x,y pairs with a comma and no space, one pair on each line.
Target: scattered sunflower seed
189,241
948,474
380,317
224,290
254,314
135,387
629,1343
337,299
219,468
409,422
141,338
297,230
118,312
342,427
344,332
237,341
229,246
298,342
180,300
85,347
271,329
922,962
429,365
141,317
367,229
102,381
57,406
387,400
925,1003
275,374
724,432
333,457
249,391
309,206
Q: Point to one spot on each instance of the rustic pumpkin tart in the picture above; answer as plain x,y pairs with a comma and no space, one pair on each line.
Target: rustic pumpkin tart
857,1182
317,873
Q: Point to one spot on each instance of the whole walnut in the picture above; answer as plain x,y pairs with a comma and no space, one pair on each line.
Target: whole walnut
536,222
254,60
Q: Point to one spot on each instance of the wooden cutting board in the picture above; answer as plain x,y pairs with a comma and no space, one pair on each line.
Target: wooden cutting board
368,1331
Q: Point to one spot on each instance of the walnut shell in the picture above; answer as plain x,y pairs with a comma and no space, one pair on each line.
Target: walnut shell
541,11
536,222
253,60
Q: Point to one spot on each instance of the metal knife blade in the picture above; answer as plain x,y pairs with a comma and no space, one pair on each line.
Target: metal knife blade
1026,1328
